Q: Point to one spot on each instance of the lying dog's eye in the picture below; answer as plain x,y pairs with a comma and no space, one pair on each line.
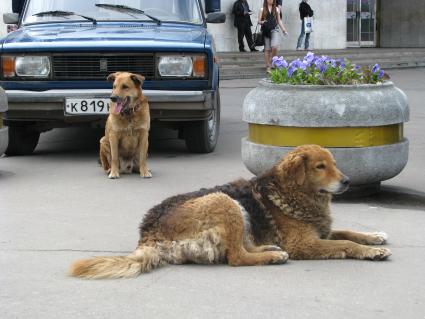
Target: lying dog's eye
321,166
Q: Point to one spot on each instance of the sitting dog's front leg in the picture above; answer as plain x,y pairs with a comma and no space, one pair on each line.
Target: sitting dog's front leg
375,238
143,154
113,140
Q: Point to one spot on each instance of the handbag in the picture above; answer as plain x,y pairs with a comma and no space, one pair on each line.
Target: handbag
308,24
257,38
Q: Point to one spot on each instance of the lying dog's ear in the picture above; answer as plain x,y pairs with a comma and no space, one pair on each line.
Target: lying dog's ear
138,79
111,77
293,167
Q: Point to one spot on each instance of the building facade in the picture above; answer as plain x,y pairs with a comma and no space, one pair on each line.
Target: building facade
337,23
329,24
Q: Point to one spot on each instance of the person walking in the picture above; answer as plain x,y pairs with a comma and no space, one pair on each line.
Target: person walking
243,23
269,19
305,11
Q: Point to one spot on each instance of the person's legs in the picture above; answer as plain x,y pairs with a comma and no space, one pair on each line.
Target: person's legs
307,41
301,37
275,43
267,58
267,52
248,36
241,32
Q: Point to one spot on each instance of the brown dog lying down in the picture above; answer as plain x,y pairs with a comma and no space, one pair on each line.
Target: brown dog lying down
124,147
247,223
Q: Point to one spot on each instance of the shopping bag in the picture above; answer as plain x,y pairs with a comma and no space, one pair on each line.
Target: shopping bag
257,38
308,24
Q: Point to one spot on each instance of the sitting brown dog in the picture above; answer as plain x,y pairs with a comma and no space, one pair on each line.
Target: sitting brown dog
124,147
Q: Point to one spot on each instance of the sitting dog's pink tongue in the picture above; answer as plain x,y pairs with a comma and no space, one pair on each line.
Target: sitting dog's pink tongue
118,108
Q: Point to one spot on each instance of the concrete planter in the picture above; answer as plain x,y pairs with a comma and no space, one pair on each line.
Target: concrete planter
362,125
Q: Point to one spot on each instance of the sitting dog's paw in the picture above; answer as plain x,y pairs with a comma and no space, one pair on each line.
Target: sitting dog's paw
378,253
279,257
146,174
113,175
378,238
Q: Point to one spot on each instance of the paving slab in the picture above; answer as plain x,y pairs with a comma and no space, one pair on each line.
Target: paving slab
58,206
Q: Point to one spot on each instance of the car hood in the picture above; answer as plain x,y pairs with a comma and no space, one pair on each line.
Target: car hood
106,36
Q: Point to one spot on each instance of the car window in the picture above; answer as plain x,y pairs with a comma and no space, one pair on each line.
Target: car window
186,11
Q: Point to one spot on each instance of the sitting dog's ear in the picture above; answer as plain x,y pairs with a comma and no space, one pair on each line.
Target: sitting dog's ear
293,166
138,79
111,77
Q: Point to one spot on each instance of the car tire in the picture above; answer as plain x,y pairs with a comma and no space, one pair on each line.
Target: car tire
22,140
202,136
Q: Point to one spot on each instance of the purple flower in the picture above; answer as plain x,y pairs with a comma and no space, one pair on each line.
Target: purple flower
279,62
298,64
323,67
381,74
309,58
375,68
291,70
341,63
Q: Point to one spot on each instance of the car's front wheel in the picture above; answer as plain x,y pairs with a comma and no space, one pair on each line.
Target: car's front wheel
202,136
22,140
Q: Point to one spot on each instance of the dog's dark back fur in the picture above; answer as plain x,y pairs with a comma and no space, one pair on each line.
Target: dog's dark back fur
241,190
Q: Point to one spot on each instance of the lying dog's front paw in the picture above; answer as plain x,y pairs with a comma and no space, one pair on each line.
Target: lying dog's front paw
113,175
378,238
378,253
279,257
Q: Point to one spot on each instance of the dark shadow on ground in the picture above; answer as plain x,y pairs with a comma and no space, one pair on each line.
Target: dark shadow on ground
85,142
391,197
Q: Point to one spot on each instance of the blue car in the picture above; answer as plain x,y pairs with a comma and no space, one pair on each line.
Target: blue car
54,67
3,129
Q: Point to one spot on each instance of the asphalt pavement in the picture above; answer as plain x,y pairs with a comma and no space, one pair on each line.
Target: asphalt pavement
57,206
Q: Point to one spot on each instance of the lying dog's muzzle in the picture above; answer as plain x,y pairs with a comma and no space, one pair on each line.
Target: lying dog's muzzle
345,180
344,184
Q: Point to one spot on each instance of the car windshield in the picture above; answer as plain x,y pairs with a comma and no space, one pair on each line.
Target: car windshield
186,11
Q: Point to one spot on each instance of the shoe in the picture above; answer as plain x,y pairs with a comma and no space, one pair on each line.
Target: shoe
254,50
269,70
299,49
242,50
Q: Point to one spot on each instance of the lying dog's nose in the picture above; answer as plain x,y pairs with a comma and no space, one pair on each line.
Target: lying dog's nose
114,98
345,180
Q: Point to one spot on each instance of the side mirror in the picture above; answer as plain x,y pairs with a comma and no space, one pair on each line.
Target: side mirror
10,18
216,17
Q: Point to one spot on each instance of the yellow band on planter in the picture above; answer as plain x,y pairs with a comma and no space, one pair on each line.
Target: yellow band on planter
326,136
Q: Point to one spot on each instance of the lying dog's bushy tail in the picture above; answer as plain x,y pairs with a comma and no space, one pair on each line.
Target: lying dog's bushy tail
143,259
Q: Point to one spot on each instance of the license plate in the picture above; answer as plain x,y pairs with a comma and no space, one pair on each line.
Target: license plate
86,106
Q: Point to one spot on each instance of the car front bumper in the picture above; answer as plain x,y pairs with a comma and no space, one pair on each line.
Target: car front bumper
165,105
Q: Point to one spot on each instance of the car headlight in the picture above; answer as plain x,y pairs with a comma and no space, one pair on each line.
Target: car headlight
182,66
26,66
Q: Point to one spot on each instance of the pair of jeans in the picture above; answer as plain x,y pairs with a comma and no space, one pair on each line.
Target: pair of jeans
301,37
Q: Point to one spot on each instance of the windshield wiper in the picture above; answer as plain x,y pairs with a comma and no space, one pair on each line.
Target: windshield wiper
125,9
59,13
